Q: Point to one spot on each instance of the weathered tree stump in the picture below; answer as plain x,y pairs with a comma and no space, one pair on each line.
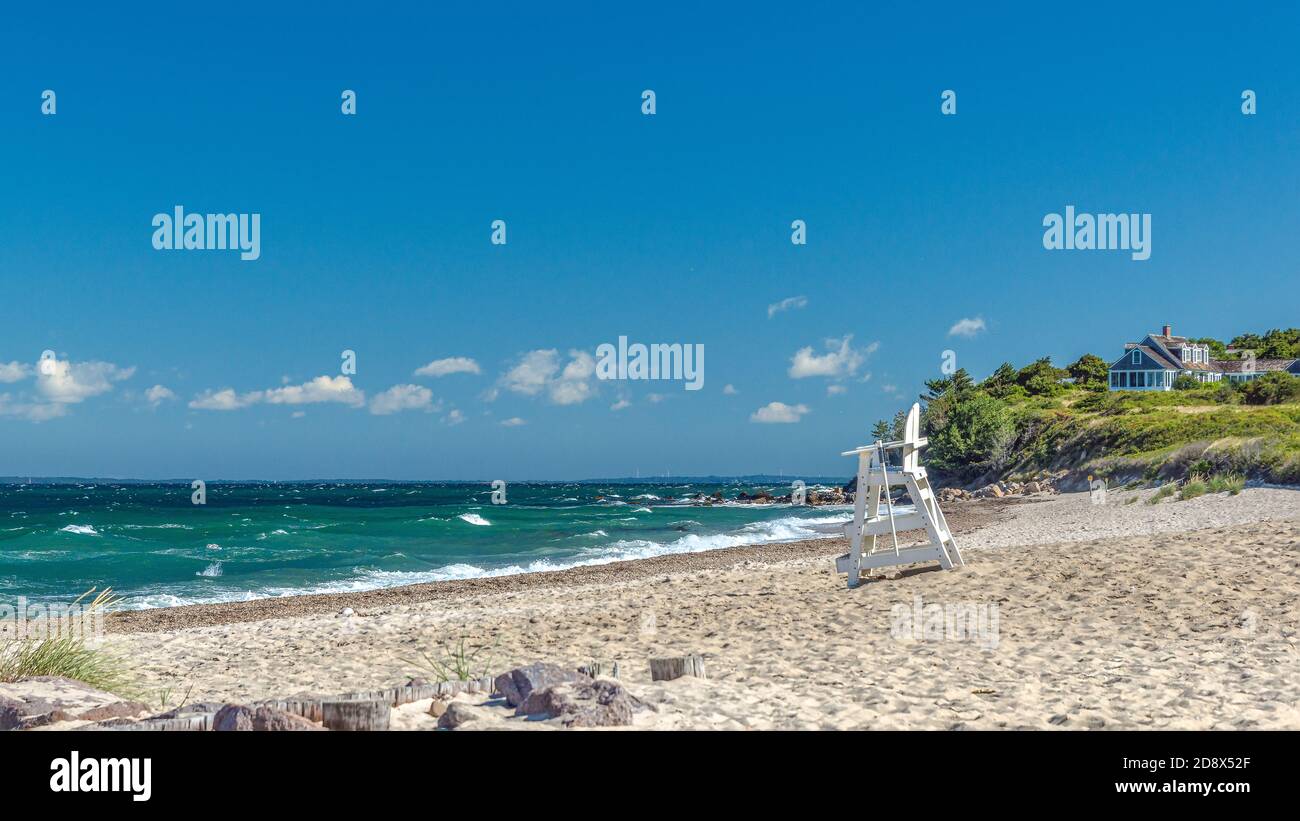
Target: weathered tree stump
676,667
356,715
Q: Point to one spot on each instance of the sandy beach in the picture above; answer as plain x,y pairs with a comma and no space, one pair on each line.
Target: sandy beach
1125,615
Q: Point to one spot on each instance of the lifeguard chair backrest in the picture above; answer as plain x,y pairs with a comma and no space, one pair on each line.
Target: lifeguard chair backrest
912,437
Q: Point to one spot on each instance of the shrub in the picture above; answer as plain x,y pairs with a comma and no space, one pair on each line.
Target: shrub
1163,493
1193,487
1272,388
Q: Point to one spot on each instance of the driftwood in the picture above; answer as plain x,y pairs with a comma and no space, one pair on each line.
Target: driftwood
670,668
600,669
356,715
313,708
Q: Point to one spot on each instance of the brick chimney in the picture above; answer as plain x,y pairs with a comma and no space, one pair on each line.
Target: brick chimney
1169,330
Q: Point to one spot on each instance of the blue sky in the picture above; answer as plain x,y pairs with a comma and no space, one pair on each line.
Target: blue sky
666,228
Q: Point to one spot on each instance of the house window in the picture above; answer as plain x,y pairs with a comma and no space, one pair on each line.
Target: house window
1137,358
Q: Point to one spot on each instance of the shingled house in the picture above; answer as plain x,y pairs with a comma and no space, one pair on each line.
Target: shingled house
1154,363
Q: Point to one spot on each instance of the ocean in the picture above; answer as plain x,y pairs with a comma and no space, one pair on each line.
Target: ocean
156,548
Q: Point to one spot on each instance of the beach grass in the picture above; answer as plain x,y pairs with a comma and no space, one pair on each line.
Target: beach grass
67,654
455,662
1227,484
1196,485
1163,493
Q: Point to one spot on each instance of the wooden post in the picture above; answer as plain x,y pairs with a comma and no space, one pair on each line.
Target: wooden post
671,668
356,715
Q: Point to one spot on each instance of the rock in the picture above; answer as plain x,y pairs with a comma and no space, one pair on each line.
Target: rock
1033,487
43,700
994,491
600,703
459,713
347,611
242,718
519,682
437,708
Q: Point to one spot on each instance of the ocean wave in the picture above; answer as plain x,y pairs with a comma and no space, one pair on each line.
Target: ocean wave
474,519
211,570
788,529
80,530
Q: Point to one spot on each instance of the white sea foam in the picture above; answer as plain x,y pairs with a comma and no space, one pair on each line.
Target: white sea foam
211,570
80,530
788,529
474,519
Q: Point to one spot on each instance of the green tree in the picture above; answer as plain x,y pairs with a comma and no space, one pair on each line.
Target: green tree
976,436
881,431
1089,369
1040,378
1001,382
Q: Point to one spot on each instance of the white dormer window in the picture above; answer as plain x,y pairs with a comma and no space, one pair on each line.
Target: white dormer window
1137,357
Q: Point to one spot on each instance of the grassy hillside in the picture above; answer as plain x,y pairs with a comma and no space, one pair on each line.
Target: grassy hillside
1169,435
1019,423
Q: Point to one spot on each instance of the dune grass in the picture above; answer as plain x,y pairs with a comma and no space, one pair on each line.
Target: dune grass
456,663
67,654
1163,493
1227,484
1196,485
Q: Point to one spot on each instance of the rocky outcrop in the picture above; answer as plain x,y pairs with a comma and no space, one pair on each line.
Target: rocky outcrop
238,717
998,490
519,683
40,701
599,703
457,713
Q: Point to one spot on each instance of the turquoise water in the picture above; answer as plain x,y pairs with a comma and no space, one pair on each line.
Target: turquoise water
150,543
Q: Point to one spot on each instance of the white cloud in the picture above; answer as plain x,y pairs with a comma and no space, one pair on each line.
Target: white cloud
790,302
159,394
730,390
513,422
224,400
14,371
455,417
889,389
779,412
401,398
841,359
31,411
655,398
834,389
967,327
620,404
67,382
574,385
444,367
321,389
539,371
534,370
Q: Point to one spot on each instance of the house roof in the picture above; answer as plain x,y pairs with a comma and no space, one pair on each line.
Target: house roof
1161,357
1261,365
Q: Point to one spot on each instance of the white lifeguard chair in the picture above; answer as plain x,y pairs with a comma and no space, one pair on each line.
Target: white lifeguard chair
876,478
